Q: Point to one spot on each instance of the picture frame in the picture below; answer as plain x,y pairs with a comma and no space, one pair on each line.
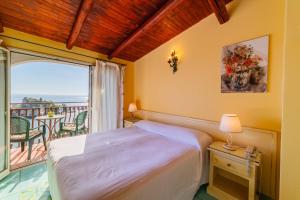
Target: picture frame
244,67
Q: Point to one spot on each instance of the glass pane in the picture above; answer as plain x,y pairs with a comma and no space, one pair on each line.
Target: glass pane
3,141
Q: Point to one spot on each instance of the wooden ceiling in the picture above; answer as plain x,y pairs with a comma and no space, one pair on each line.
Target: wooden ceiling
127,29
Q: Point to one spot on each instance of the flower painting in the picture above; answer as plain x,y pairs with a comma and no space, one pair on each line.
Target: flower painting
245,66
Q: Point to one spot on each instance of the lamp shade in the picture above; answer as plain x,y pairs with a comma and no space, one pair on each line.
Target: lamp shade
132,107
230,123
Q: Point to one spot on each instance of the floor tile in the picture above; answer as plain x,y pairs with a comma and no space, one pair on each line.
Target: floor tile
30,183
9,184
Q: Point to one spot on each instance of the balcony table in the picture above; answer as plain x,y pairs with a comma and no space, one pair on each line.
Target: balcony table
49,125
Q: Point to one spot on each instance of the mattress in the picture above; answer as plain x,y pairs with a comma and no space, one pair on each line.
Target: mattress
145,162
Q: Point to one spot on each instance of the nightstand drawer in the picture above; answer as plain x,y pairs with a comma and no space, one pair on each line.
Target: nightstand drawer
230,165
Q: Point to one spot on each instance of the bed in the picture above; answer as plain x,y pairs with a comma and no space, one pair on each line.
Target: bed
145,162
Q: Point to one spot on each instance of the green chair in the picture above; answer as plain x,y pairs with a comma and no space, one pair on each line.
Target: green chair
76,127
21,132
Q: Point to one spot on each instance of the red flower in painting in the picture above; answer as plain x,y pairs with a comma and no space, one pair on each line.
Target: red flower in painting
228,69
248,62
235,59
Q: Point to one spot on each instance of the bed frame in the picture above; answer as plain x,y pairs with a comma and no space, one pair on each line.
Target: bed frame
265,141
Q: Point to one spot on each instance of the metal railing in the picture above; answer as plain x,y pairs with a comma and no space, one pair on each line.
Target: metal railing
32,110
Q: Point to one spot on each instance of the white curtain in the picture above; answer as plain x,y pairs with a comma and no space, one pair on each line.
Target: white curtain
107,96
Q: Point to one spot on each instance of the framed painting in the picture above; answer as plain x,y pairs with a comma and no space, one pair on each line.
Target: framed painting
245,66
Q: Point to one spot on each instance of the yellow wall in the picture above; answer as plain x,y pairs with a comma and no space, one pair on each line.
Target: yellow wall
129,74
290,143
194,90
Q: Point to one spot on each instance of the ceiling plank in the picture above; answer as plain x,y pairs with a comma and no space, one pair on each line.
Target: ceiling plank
160,14
1,27
219,8
85,7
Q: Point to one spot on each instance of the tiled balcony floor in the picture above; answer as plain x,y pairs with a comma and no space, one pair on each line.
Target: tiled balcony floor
18,159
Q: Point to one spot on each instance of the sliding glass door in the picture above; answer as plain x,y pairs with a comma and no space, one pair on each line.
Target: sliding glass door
4,142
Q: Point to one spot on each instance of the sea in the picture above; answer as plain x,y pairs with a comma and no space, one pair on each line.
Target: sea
18,98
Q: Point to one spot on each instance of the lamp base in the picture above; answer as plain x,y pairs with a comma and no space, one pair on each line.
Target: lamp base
230,147
132,116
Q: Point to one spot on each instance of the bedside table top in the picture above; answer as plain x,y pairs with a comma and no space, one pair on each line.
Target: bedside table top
240,152
132,120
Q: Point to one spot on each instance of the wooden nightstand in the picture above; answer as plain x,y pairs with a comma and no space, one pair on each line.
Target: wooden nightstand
232,175
129,122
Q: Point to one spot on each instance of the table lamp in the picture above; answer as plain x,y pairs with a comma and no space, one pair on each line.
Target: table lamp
230,123
132,108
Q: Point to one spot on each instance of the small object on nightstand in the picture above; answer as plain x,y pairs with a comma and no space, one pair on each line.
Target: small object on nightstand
230,123
233,174
250,151
129,122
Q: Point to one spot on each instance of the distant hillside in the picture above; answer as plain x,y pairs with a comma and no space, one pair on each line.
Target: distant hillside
29,102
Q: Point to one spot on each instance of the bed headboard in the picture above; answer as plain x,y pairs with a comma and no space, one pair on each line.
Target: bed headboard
265,141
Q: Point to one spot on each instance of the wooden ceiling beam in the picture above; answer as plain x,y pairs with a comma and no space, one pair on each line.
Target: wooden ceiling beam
160,14
85,7
219,8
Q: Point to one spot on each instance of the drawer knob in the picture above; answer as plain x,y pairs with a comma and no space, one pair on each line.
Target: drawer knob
228,165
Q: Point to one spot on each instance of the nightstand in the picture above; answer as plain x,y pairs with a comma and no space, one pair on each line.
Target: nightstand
129,122
232,175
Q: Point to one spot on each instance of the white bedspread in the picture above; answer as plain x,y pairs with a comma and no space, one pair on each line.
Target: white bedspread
152,161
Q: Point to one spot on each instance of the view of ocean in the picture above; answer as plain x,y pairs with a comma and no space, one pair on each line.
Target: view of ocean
17,98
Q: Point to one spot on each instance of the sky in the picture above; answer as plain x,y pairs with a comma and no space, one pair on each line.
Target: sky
46,78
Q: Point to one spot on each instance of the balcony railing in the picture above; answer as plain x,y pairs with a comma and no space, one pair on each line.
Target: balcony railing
32,110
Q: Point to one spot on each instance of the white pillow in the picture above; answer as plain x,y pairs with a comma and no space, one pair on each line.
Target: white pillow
193,137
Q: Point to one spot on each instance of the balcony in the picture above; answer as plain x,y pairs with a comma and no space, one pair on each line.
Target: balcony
30,111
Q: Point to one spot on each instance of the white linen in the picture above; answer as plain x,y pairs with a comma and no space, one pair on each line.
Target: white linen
107,96
193,137
129,164
190,136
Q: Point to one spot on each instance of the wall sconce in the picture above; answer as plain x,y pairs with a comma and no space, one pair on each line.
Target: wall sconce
173,61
